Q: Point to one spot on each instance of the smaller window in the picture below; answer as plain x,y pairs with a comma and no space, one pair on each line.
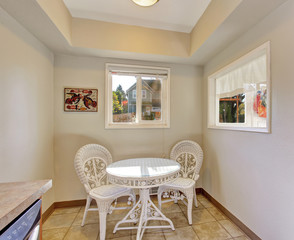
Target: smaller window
238,94
134,93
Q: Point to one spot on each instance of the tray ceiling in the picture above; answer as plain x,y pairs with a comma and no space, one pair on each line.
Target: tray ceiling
174,15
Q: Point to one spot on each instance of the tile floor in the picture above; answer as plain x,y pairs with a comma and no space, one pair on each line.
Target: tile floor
208,224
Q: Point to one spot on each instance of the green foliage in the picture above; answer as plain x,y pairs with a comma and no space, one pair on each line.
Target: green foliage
121,96
228,109
242,109
116,105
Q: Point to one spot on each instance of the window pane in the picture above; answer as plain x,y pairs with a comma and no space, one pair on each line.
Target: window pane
135,95
249,107
232,109
151,98
123,99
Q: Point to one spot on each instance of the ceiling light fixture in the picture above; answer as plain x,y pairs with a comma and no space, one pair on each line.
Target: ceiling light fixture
145,3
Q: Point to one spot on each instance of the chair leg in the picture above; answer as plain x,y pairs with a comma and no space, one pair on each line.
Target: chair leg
189,195
176,193
89,199
159,193
103,208
189,210
134,198
195,199
102,223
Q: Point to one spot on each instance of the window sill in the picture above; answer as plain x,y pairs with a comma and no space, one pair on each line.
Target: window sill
135,126
243,129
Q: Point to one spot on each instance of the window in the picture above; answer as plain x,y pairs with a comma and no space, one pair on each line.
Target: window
144,94
239,94
136,96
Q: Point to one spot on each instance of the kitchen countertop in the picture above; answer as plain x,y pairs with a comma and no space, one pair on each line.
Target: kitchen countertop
15,197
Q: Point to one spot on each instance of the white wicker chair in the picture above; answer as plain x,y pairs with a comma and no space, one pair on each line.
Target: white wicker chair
90,163
190,155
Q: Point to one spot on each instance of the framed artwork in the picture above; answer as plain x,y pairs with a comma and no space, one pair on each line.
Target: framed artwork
80,100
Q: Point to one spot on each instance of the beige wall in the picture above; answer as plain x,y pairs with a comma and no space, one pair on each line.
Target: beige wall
251,174
59,15
26,100
73,130
213,17
126,38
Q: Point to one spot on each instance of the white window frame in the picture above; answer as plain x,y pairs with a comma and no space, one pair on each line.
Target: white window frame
134,93
213,100
165,97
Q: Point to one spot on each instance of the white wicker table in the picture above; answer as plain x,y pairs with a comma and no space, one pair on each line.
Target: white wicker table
143,173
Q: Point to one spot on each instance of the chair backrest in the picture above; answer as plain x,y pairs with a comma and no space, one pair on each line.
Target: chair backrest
190,156
90,163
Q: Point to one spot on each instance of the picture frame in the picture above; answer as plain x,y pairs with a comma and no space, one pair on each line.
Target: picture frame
80,100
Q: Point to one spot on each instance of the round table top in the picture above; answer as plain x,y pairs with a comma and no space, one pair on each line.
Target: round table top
143,172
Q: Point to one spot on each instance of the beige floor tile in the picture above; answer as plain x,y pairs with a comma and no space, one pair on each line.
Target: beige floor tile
211,231
54,234
82,209
66,210
153,198
200,197
216,213
122,204
156,235
154,223
92,217
117,215
242,238
123,238
150,223
120,233
185,233
92,206
200,205
87,232
201,216
233,230
178,219
184,207
170,207
205,202
59,221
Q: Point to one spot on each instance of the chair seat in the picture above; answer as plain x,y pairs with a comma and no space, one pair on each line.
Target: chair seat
181,183
108,191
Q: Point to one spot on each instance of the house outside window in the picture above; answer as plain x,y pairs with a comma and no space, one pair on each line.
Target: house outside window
143,94
137,96
238,94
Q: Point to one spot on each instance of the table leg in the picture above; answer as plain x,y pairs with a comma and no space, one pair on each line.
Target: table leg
144,211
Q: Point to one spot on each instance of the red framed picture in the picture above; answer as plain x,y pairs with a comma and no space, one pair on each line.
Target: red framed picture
80,100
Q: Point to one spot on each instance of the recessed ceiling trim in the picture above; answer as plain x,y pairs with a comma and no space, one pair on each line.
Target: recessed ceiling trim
132,21
164,15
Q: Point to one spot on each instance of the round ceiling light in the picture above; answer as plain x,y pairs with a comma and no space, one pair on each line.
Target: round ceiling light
145,3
